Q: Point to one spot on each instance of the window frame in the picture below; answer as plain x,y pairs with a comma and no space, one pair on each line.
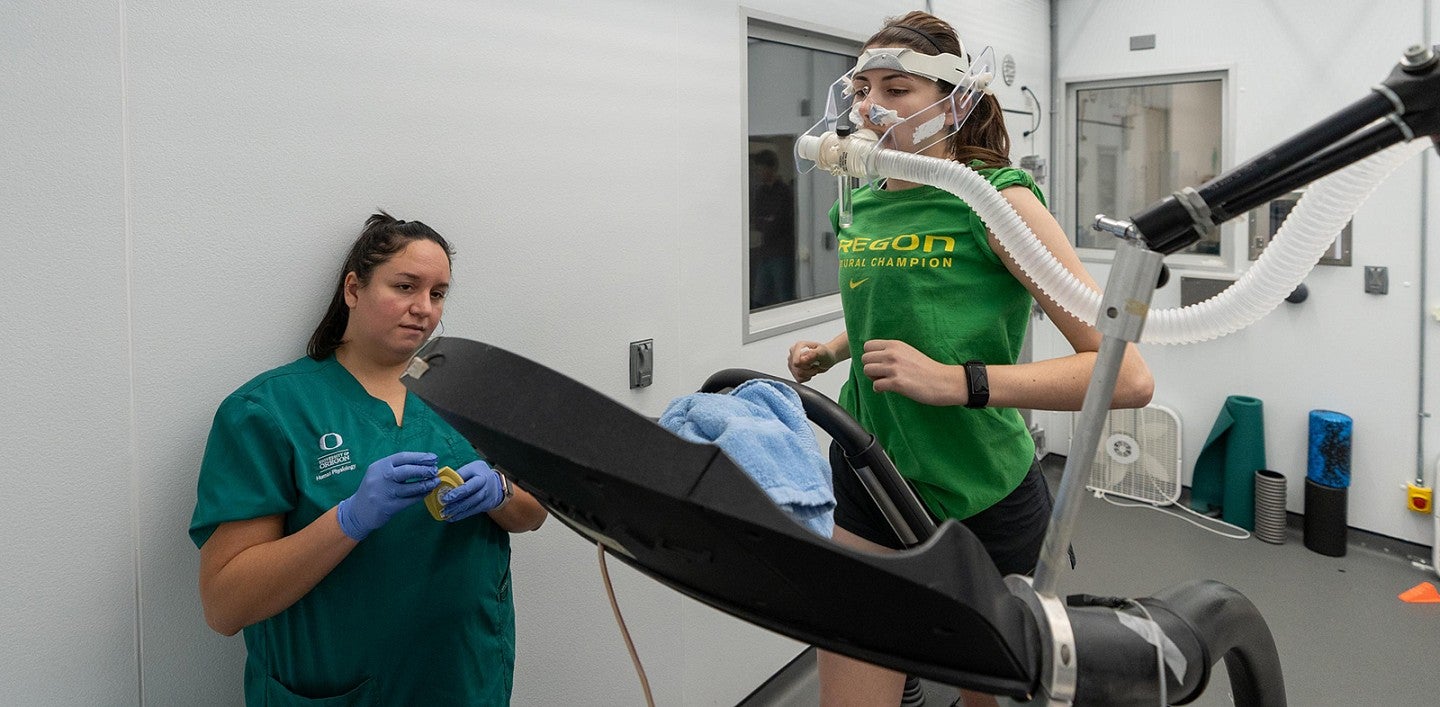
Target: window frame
1231,246
780,319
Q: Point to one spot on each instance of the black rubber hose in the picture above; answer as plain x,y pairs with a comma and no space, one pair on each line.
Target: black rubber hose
1118,667
1233,629
1205,621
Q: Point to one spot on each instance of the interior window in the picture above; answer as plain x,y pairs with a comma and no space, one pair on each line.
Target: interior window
1136,141
790,246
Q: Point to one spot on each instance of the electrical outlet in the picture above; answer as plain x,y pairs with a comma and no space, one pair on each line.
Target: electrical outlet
642,363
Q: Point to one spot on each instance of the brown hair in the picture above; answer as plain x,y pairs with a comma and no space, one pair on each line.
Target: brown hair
983,136
382,237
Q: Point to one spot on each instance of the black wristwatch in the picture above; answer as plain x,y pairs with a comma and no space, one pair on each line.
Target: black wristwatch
977,383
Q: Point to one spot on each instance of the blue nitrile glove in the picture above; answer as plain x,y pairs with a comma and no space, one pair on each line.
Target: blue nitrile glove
482,491
390,485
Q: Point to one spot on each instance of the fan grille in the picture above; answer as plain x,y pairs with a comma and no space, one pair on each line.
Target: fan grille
1139,455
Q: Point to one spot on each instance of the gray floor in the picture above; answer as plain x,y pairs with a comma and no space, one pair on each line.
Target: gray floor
1343,635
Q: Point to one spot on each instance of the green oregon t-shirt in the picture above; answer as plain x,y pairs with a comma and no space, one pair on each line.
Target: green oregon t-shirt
419,612
916,266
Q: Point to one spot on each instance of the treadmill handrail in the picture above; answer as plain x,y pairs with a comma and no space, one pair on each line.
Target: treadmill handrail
896,500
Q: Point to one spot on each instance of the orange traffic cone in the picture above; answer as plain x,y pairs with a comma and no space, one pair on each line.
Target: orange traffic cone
1422,593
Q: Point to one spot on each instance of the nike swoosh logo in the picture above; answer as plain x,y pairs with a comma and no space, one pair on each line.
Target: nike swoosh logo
856,283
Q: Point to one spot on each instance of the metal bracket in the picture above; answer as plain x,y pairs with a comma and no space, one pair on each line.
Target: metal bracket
1059,672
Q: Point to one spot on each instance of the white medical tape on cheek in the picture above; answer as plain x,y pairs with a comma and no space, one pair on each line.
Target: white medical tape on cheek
1150,631
928,128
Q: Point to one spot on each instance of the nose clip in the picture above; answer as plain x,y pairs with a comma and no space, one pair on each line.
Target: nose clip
880,115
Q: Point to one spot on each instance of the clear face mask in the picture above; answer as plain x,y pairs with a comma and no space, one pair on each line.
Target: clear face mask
923,128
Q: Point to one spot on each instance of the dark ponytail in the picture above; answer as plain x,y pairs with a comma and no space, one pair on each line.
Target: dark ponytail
983,135
382,238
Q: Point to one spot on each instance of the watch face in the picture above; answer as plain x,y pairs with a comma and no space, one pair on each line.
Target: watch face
978,384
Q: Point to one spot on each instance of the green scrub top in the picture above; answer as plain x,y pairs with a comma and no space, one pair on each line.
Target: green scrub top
419,612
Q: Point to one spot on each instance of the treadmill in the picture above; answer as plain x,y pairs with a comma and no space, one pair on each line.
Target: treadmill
684,514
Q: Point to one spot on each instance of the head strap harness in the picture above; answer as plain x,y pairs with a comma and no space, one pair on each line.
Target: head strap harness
941,67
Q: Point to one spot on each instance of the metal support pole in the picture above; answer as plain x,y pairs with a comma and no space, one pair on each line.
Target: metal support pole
1122,316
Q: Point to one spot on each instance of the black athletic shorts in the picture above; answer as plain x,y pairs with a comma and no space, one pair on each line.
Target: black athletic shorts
1012,530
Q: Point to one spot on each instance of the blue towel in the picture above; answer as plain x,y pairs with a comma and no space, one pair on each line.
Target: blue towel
761,426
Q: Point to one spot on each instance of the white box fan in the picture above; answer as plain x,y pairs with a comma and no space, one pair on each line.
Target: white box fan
1139,456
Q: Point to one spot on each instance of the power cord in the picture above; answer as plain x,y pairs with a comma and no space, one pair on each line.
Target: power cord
1039,111
1242,533
1159,653
624,632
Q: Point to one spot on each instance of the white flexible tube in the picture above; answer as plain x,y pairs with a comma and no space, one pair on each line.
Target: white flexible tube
1305,236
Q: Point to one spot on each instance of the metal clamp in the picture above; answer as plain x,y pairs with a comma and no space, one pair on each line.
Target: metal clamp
1126,301
1059,672
1197,208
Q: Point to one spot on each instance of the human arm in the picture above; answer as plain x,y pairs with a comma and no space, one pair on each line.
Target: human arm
1051,384
485,491
522,514
809,358
250,570
1059,383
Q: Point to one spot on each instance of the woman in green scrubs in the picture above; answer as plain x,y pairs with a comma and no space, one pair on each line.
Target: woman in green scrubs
308,515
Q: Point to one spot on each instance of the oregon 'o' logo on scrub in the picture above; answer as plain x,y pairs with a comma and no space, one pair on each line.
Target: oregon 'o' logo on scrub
331,440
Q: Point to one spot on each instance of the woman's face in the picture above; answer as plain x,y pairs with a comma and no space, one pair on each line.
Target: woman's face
394,313
906,94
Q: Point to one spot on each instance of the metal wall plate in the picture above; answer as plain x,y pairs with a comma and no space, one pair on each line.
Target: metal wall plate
1377,280
1194,290
1142,41
642,363
1266,220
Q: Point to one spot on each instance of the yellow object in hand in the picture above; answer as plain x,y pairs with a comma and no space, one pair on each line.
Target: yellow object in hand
448,480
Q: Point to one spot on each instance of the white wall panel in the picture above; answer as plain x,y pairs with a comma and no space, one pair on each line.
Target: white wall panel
187,177
1342,349
67,562
181,179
